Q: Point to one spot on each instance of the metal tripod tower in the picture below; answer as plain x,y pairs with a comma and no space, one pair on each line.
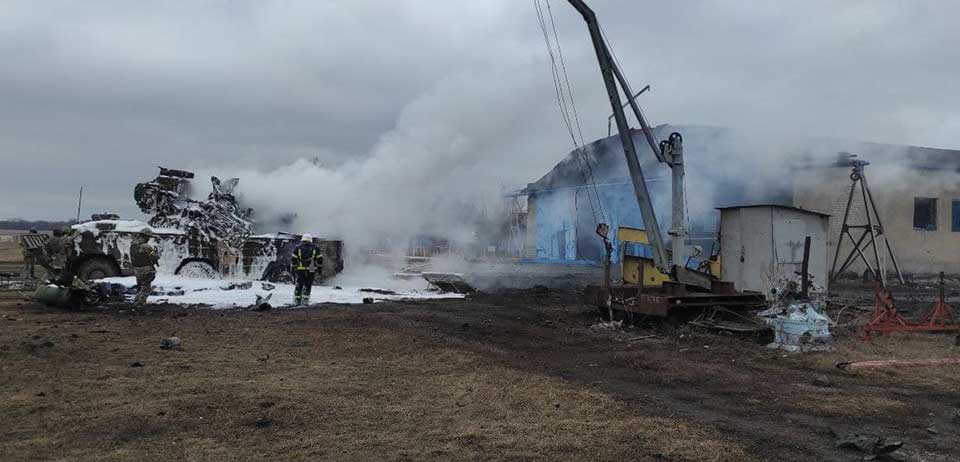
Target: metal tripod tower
873,228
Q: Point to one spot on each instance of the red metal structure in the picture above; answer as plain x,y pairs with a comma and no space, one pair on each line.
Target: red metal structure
885,318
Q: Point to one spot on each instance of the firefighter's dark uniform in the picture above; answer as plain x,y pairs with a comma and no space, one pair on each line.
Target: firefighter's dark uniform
306,261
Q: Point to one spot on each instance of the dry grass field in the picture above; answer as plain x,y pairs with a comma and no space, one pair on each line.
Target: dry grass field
514,376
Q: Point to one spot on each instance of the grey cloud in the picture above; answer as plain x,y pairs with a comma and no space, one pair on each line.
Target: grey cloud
99,93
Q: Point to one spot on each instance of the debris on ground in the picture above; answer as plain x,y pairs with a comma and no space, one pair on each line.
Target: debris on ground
263,303
642,337
823,382
238,286
170,343
379,291
136,364
609,325
730,322
449,282
900,363
263,422
799,327
874,446
75,294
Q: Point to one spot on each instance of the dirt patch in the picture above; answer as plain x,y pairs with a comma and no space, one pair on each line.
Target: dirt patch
511,376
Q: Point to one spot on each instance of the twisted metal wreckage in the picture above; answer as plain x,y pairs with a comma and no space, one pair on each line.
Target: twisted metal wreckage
206,238
219,217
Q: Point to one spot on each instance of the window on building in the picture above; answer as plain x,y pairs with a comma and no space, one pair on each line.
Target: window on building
955,216
925,213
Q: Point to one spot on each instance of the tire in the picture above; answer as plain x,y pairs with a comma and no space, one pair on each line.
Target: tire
279,274
97,268
198,269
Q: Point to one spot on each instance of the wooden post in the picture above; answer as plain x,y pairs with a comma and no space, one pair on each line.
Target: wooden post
607,294
805,270
79,204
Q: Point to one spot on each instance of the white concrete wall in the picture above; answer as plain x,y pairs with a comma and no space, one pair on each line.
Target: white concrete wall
918,251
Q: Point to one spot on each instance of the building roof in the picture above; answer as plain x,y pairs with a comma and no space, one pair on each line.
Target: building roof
713,152
604,160
778,206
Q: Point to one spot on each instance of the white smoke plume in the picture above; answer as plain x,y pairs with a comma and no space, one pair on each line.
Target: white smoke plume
452,151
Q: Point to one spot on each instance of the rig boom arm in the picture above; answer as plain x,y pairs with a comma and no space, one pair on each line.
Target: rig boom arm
611,74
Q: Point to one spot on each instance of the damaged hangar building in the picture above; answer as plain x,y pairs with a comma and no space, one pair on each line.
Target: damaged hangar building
916,190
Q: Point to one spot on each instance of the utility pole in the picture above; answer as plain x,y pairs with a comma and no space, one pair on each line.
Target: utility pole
673,152
610,76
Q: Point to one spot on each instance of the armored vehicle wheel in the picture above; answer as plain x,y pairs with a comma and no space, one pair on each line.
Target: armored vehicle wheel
198,269
279,274
97,268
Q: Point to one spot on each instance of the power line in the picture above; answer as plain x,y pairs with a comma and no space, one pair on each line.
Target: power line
576,115
579,151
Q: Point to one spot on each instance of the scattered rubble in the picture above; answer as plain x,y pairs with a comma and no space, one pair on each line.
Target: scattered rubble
449,282
263,303
170,343
874,446
379,291
263,422
799,327
238,286
823,382
609,325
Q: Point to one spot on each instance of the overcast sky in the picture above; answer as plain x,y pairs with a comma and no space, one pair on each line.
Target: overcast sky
98,93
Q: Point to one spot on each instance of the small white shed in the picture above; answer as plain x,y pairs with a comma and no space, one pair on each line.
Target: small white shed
761,246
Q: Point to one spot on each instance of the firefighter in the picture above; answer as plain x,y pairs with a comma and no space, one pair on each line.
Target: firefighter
144,258
306,261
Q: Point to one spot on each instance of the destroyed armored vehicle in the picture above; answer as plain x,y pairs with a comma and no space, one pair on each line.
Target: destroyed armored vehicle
208,238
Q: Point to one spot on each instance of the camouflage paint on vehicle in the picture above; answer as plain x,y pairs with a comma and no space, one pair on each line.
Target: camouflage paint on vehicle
259,257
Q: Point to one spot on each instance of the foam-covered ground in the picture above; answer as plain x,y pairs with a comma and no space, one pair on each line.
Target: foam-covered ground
219,294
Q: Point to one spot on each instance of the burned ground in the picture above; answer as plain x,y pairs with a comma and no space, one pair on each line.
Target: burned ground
509,376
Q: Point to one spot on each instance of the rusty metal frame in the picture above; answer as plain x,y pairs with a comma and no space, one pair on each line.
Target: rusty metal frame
886,319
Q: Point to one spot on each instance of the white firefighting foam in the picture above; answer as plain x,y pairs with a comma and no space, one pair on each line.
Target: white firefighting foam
221,294
121,226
